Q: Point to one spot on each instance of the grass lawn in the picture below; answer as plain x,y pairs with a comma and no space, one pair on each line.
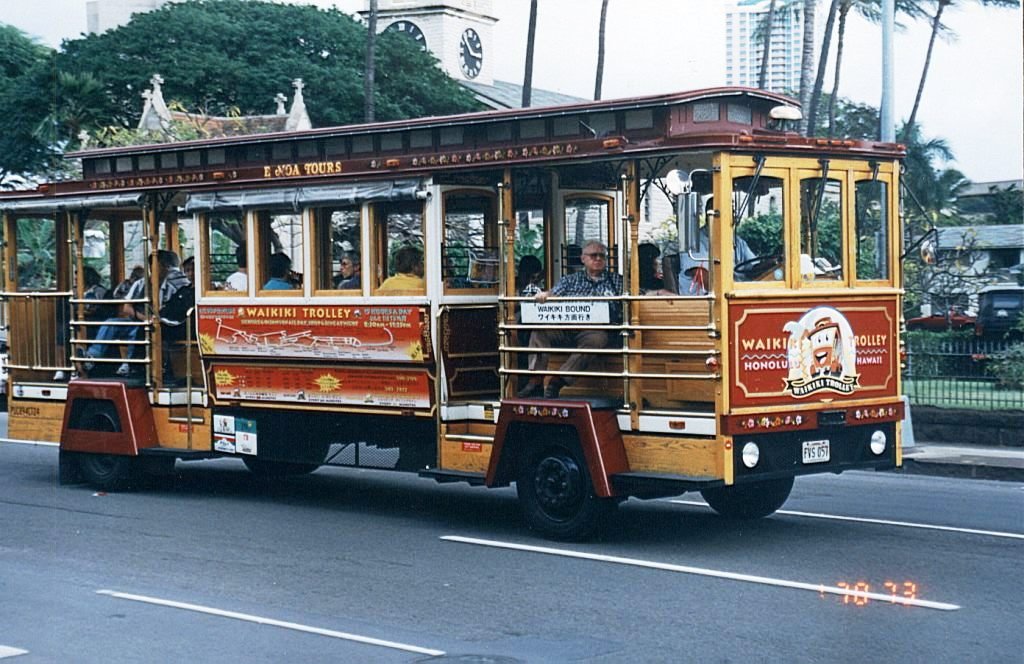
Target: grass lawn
953,393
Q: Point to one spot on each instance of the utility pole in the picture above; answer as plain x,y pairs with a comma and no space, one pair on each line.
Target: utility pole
887,131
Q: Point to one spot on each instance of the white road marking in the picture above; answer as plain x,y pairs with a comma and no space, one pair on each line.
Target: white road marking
38,443
274,623
8,651
882,522
699,571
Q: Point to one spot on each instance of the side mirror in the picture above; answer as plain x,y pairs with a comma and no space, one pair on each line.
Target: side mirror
928,255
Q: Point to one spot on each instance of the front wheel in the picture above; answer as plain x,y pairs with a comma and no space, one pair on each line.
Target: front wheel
556,493
749,501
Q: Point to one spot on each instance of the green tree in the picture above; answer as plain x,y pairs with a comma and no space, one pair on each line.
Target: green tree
24,147
220,55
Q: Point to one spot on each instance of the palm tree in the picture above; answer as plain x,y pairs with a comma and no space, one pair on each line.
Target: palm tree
869,9
766,45
530,36
807,58
819,80
844,11
936,27
600,50
371,58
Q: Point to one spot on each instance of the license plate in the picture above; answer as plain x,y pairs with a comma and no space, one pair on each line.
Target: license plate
815,451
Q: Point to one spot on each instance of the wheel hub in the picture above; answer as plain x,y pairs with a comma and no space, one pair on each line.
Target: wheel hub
558,483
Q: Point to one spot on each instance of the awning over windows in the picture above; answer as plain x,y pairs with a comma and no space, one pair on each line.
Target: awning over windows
295,198
72,203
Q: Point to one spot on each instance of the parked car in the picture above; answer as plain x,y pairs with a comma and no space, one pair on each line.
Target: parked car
952,320
999,309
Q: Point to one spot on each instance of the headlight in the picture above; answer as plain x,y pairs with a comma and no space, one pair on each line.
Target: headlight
878,442
751,454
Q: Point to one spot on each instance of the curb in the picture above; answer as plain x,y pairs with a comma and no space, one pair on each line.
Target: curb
977,471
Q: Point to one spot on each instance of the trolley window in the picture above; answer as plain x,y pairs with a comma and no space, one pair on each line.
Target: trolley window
469,254
336,233
821,230
872,208
759,246
282,251
398,249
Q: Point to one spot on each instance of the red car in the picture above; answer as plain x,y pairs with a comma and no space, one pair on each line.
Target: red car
954,320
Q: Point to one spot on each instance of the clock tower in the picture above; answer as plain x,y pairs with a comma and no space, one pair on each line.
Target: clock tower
458,32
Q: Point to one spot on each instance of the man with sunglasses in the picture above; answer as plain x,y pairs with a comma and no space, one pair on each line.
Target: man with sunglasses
593,281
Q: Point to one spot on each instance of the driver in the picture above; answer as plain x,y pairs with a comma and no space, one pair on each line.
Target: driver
693,273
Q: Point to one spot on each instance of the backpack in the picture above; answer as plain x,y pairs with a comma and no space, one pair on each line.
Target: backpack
175,311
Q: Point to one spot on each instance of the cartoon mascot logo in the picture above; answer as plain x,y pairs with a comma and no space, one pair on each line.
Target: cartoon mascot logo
822,355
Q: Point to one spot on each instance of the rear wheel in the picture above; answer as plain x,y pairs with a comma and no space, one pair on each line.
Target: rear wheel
556,493
749,501
108,472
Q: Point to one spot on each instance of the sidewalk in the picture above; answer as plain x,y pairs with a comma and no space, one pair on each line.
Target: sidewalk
971,461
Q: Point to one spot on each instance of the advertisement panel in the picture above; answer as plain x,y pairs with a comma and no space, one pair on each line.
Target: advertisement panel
781,352
332,332
337,386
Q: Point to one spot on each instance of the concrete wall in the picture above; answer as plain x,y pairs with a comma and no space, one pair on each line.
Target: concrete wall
974,427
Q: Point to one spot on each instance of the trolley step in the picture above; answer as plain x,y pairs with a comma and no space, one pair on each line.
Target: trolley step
447,476
656,485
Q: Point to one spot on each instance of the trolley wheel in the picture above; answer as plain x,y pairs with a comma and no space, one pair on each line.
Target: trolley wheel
275,470
749,501
108,472
556,494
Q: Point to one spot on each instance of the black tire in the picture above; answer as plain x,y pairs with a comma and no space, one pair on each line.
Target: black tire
275,470
108,472
556,493
749,501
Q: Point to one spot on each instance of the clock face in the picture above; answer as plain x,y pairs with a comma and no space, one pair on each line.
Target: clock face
471,53
409,29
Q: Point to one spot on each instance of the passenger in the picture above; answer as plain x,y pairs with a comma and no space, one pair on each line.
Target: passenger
408,271
650,282
280,268
171,279
94,290
349,274
239,279
188,267
529,276
593,281
121,292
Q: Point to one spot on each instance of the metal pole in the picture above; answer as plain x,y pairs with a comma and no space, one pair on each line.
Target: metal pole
887,131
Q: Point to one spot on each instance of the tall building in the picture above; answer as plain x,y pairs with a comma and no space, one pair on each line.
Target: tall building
744,44
102,15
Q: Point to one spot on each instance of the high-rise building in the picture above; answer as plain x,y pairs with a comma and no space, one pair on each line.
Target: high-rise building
744,44
102,15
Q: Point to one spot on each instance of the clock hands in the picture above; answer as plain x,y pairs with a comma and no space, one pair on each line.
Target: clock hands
476,52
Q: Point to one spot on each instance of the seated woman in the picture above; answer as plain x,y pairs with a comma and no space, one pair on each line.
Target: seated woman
408,271
349,276
650,282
